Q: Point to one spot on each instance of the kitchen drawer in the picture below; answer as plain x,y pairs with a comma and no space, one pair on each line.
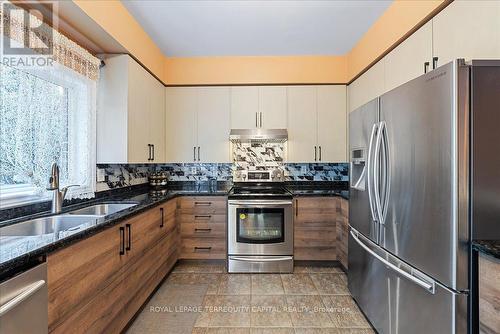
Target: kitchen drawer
202,219
203,205
203,230
203,248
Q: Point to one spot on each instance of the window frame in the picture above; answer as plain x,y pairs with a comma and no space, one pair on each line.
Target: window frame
23,194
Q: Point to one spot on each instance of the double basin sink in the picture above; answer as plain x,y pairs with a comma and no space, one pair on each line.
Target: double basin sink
71,221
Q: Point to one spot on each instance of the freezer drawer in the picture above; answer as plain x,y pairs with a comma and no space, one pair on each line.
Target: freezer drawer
397,298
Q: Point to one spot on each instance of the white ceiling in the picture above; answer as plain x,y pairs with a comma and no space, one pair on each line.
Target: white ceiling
255,28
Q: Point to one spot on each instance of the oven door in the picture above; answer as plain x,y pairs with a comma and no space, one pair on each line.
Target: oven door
260,227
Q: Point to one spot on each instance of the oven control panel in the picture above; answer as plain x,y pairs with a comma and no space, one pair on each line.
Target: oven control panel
269,175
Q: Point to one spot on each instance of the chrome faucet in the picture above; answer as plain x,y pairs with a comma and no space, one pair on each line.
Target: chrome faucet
58,195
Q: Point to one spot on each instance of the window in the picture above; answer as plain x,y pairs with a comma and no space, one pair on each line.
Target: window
46,115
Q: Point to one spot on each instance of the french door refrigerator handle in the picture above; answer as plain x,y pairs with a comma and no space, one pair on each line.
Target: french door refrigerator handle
429,286
369,169
387,167
376,190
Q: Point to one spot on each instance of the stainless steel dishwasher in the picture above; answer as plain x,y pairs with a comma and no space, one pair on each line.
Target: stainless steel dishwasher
24,302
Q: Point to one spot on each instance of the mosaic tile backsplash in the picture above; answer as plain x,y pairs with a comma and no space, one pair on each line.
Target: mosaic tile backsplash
257,154
118,176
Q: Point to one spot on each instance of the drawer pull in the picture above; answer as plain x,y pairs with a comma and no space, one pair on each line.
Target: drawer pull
122,240
202,230
162,218
204,217
129,244
207,249
202,203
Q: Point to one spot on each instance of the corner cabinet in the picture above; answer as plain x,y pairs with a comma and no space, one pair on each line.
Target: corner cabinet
259,107
98,284
197,124
130,113
317,123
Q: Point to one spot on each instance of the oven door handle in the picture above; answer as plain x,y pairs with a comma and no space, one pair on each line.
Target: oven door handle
259,203
249,259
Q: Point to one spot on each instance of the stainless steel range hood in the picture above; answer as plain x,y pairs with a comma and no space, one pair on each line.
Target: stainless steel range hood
268,135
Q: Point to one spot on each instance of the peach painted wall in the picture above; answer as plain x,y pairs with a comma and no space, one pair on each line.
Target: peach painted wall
401,17
115,19
252,70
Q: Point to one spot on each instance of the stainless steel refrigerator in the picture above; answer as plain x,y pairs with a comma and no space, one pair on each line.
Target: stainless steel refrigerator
424,166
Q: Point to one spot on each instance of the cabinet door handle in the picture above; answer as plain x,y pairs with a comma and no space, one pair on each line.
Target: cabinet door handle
162,216
202,248
315,154
122,240
202,203
204,217
434,62
198,153
153,149
149,152
256,119
426,66
202,230
260,119
194,153
296,208
319,153
129,243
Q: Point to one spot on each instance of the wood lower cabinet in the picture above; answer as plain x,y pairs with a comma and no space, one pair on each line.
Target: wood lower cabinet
489,292
315,228
342,231
98,284
203,224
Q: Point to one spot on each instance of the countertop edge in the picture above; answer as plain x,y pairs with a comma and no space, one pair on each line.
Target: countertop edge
487,247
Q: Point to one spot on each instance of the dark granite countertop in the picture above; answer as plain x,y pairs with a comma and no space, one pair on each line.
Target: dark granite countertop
319,188
17,252
488,247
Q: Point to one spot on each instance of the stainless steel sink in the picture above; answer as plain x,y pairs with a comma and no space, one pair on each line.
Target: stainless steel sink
48,225
102,209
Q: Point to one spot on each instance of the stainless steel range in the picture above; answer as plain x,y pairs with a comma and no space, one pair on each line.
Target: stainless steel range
260,225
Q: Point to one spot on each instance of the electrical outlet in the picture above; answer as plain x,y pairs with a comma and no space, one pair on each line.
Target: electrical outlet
194,170
101,175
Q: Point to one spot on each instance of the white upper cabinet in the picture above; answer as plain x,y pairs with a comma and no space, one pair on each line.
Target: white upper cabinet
467,29
157,120
181,109
198,122
317,128
244,107
302,124
213,124
332,123
130,111
407,61
273,107
258,107
368,86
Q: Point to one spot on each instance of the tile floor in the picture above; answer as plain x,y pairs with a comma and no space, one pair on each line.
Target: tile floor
202,298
